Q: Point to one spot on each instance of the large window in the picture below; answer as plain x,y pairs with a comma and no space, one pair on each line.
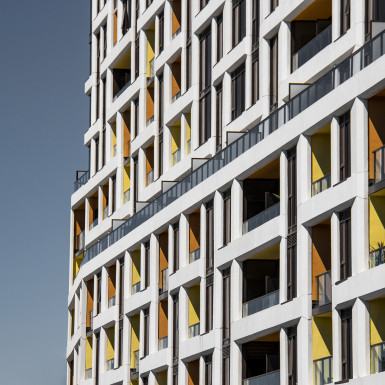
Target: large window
226,314
345,244
226,217
274,73
160,115
292,355
176,246
239,21
147,264
136,56
161,32
126,20
219,37
146,314
219,114
238,92
346,345
344,122
374,12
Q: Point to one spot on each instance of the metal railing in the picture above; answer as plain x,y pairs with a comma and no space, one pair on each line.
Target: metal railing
135,363
363,57
311,49
379,164
164,282
135,288
94,223
194,330
377,257
111,301
324,288
88,374
105,212
260,303
323,371
110,364
320,185
272,378
377,358
82,178
126,196
261,218
163,343
194,255
150,177
175,157
80,241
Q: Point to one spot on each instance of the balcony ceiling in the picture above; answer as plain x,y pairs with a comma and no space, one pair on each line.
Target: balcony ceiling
319,9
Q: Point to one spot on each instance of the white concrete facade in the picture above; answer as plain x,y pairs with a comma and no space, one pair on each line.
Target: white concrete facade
106,183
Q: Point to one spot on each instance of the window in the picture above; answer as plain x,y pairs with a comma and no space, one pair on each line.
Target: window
255,75
374,12
274,73
146,314
136,179
291,266
209,300
136,118
292,355
97,354
226,217
208,369
136,56
99,293
219,112
205,87
121,287
344,122
345,16
113,194
120,345
345,244
204,3
146,264
292,190
104,28
238,92
209,235
161,32
175,327
126,20
226,328
239,21
104,146
188,65
97,99
97,165
219,37
273,4
346,344
176,246
104,101
115,35
255,22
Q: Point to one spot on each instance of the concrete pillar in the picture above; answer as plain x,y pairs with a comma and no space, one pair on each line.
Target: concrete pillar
284,363
236,209
303,170
284,61
335,151
184,240
304,349
361,339
335,244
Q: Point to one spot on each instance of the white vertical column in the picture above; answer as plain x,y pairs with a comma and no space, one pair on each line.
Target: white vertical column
154,260
142,267
236,209
236,291
303,169
361,339
335,151
336,320
304,346
283,176
153,329
264,75
360,236
284,363
184,240
170,249
218,221
100,204
336,19
284,61
183,314
227,32
357,20
335,246
104,289
226,99
304,262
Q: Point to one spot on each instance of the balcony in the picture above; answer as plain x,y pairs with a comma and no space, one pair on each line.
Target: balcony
258,304
349,68
194,330
164,281
111,301
175,157
110,364
320,185
81,179
194,255
272,378
377,257
377,358
323,371
324,289
261,218
135,288
162,343
121,81
126,196
311,49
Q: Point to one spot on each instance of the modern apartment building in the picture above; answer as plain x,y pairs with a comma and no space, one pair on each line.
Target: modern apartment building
230,227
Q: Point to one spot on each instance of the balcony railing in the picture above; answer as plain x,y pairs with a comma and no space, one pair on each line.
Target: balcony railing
175,157
105,212
164,282
320,185
379,164
194,255
135,288
324,289
377,257
135,363
126,196
80,241
261,218
311,49
162,343
94,223
323,371
110,364
111,301
81,179
260,303
88,374
377,358
150,177
194,330
355,63
272,378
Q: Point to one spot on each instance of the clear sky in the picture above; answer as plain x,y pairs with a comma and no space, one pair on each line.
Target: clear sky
44,62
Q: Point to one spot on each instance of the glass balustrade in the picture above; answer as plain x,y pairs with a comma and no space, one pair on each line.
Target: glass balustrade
261,218
260,303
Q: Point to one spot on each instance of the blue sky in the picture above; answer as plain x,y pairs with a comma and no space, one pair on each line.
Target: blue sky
44,62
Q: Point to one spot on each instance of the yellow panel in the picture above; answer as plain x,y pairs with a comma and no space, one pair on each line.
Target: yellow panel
319,9
162,378
270,253
135,331
322,336
376,221
320,155
135,266
194,305
377,324
110,343
77,262
175,137
125,61
126,177
89,353
113,134
188,129
135,382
